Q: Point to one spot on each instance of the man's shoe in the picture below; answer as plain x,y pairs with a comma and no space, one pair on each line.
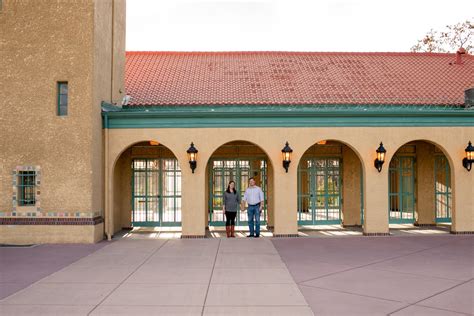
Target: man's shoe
256,236
249,235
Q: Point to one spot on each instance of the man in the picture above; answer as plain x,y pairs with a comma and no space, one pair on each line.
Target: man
254,198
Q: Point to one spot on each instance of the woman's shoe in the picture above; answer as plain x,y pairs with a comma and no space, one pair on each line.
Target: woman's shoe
227,230
232,230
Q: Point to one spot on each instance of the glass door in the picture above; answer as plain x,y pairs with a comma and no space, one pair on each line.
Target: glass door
221,171
156,192
402,189
319,191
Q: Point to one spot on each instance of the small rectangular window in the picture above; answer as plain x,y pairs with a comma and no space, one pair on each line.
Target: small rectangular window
62,98
26,188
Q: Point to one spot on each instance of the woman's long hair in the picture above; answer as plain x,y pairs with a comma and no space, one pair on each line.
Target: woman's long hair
228,187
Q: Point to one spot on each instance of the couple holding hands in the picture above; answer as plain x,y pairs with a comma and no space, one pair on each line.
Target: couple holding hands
254,198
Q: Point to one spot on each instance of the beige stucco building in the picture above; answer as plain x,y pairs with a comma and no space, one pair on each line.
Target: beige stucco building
95,140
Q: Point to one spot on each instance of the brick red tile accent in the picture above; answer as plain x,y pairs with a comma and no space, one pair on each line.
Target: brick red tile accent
50,221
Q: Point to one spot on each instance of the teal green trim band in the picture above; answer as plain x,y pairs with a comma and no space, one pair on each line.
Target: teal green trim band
286,116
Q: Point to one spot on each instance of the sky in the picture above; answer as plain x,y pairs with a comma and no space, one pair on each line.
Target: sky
287,25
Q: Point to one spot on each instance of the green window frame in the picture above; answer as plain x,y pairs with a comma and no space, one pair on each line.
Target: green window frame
26,188
221,171
320,203
63,97
402,189
156,192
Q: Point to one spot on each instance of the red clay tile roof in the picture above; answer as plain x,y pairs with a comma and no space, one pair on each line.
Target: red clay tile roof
224,78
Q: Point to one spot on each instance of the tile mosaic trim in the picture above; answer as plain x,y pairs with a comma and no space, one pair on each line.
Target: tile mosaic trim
462,232
285,235
376,234
38,214
33,208
192,236
51,221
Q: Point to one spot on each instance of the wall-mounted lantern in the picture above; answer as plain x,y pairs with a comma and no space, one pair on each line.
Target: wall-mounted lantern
469,159
286,156
378,163
192,156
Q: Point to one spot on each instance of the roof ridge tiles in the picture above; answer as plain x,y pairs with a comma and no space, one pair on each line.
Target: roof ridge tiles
290,52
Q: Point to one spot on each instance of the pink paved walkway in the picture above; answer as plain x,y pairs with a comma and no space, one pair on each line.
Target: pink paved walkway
430,275
422,275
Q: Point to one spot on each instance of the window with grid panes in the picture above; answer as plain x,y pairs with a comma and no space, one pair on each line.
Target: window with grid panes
62,98
26,188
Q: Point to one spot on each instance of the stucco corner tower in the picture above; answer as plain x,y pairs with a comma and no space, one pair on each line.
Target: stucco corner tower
59,61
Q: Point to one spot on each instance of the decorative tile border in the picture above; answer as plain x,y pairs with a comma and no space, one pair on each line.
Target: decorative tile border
192,236
424,225
285,235
462,233
51,221
376,234
32,214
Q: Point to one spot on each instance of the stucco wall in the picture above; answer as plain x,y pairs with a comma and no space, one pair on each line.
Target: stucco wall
42,43
42,234
108,83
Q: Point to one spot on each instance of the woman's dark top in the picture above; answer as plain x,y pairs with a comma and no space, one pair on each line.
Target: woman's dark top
231,201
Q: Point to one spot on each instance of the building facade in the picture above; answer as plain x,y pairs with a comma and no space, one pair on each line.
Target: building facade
77,47
104,135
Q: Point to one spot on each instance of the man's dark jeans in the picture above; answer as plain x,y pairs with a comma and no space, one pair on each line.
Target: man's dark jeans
253,213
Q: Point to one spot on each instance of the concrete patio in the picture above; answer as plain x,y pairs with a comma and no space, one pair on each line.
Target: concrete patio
142,275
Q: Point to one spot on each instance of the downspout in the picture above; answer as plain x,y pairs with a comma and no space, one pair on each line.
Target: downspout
108,215
112,55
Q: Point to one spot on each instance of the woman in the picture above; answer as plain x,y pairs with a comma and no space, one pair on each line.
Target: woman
231,203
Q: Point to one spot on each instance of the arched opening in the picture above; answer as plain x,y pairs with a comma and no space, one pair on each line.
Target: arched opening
238,161
330,186
147,187
420,190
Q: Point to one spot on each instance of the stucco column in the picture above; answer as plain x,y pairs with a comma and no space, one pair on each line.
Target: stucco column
285,201
270,197
425,205
351,173
376,200
463,198
193,201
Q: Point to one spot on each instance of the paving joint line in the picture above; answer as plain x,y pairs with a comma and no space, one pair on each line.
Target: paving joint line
289,272
210,278
419,275
350,293
433,295
376,262
443,309
135,270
